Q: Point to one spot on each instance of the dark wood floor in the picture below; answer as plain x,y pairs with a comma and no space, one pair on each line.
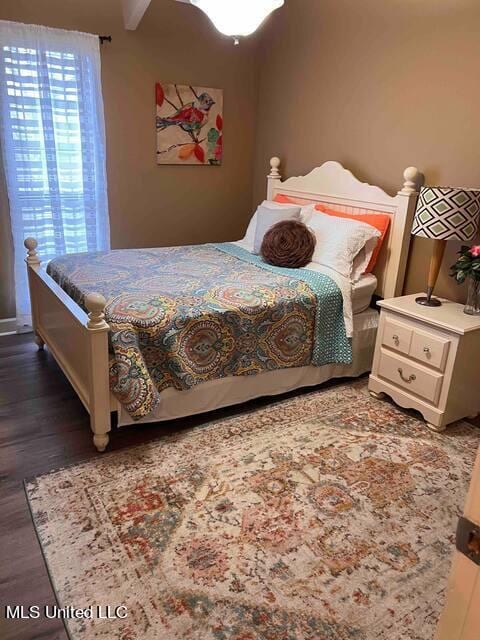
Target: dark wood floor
44,426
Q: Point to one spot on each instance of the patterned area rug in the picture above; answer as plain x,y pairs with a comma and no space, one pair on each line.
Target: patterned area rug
330,516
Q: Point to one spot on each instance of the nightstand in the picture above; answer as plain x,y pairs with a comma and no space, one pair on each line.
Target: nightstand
428,358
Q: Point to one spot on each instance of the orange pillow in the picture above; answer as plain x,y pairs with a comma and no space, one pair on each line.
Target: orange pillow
378,220
281,199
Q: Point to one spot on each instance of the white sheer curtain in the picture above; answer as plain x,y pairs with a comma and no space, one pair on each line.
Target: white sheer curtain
52,134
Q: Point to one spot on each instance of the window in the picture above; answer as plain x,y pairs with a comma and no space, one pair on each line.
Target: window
53,143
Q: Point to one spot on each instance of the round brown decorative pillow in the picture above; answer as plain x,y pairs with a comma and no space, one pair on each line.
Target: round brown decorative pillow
288,244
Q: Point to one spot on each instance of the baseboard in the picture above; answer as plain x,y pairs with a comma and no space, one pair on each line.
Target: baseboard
8,326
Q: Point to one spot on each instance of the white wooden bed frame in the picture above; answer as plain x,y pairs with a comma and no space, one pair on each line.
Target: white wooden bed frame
79,341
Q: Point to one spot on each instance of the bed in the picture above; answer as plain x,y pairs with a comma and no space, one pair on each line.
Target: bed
69,307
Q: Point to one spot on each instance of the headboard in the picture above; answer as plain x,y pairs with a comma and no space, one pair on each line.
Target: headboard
333,185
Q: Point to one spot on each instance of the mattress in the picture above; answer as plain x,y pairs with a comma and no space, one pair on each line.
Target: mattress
362,292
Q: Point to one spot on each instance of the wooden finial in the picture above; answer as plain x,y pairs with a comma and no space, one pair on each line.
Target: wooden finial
32,257
274,178
274,166
95,304
410,185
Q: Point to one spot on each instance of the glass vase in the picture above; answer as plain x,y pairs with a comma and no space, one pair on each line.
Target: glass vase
473,298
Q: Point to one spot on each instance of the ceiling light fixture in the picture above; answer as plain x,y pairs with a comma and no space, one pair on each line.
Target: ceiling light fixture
237,17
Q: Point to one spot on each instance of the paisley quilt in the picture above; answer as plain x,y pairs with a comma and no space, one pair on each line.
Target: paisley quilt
180,316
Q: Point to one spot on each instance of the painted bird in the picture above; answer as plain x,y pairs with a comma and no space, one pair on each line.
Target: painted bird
190,117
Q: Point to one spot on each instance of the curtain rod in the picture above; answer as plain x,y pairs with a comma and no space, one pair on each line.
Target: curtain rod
105,39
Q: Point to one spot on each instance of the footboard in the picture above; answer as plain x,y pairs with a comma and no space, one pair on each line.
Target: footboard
78,341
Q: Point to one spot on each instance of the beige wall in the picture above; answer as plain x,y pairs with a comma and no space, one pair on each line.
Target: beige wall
378,85
152,205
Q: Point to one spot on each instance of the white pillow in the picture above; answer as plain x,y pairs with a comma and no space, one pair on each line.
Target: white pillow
362,259
267,218
339,241
306,212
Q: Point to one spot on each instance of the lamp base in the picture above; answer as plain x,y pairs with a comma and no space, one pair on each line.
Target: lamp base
426,301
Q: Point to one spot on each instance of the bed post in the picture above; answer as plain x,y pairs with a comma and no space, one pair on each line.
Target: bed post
33,262
411,176
99,391
274,178
401,232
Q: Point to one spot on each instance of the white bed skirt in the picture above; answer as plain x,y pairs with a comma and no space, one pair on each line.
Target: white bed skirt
236,389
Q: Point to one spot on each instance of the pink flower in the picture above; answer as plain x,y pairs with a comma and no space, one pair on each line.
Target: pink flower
475,250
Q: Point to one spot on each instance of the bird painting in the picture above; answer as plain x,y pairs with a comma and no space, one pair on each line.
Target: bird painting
189,124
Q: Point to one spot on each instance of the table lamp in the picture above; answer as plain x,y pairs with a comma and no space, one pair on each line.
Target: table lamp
444,213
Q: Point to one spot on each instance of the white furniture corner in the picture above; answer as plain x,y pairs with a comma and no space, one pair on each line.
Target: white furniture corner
428,359
79,340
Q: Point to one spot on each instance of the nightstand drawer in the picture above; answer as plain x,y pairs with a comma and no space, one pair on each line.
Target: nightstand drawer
397,335
410,376
430,349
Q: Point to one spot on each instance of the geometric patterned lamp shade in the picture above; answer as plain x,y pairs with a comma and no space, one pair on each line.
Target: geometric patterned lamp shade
447,213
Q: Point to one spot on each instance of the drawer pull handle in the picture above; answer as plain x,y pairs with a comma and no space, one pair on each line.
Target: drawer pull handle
396,340
426,350
410,378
